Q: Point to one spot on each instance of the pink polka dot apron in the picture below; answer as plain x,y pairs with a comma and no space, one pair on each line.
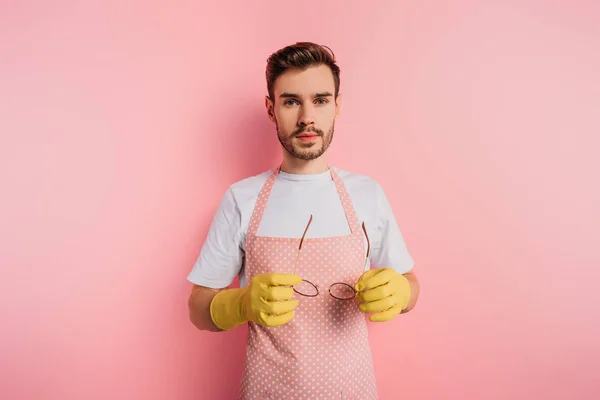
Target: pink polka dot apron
323,353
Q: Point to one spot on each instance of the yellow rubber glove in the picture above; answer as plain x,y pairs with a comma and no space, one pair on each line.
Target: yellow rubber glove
384,292
267,300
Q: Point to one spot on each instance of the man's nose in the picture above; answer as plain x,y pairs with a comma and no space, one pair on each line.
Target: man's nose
306,119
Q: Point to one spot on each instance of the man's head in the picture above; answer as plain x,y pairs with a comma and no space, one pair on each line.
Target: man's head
303,84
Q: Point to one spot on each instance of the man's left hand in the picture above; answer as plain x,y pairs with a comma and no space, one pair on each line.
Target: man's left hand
384,292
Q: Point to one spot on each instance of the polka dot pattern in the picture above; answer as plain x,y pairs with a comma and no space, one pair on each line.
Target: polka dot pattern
323,353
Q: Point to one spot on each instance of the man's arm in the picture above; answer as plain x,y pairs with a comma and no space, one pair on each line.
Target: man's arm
414,291
218,263
389,249
199,307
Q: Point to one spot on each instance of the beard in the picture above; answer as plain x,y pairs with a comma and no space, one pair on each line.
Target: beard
306,151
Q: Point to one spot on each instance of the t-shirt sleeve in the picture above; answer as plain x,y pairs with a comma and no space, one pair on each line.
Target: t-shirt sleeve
221,257
388,250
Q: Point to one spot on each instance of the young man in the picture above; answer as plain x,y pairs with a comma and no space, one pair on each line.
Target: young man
316,248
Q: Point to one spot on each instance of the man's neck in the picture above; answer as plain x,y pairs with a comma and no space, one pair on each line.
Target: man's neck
293,165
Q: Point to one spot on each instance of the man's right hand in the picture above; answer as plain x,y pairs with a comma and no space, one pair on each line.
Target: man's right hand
267,300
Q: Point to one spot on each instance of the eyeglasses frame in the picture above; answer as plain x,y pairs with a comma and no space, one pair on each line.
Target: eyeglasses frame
336,283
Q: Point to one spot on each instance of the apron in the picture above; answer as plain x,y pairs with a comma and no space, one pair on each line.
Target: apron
323,352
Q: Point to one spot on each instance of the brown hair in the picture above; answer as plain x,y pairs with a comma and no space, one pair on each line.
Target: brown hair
300,56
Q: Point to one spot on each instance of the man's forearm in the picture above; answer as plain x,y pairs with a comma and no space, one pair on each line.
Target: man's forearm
199,308
414,291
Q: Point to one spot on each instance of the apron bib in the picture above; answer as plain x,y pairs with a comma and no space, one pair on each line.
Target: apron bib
323,352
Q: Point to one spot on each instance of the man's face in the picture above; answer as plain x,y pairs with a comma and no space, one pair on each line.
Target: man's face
304,110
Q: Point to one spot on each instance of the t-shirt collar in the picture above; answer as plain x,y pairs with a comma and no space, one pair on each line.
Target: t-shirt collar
323,176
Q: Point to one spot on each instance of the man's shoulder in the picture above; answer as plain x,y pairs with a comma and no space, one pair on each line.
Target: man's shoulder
355,181
251,185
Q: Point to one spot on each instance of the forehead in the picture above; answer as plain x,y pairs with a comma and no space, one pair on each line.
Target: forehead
305,82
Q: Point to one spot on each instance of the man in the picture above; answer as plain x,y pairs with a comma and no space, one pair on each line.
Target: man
316,249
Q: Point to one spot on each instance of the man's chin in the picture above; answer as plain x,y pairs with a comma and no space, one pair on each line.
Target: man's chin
307,152
304,151
308,156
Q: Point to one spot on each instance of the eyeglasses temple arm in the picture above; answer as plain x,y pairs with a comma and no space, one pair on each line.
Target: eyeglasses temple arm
304,234
302,241
368,241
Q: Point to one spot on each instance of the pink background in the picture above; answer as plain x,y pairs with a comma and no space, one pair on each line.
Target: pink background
123,123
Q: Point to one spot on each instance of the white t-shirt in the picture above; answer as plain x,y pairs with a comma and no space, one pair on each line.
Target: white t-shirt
293,199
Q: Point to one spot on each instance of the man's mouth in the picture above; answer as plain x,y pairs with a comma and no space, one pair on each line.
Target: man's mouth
310,133
308,137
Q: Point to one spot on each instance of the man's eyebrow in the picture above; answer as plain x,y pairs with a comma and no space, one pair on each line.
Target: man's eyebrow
288,95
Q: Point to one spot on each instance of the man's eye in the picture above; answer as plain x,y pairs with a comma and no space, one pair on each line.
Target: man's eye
290,102
321,101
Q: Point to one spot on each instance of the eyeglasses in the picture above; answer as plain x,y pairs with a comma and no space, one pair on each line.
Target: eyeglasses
338,290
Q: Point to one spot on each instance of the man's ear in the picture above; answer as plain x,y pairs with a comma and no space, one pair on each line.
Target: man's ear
338,101
269,107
